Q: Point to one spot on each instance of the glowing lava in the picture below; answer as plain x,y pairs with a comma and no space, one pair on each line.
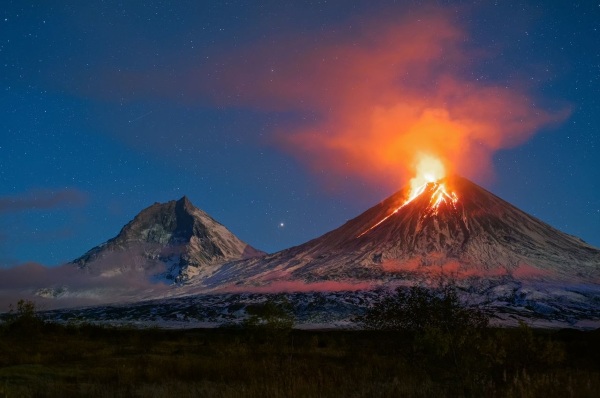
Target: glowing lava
430,172
428,169
441,195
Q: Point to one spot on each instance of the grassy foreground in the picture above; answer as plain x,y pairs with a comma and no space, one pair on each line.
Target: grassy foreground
39,360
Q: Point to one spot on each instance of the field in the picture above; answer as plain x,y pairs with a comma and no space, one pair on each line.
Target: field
39,360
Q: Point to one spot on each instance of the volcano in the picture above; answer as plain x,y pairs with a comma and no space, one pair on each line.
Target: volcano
515,265
463,232
175,239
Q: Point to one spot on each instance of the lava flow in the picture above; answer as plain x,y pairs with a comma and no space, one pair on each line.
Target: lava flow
430,173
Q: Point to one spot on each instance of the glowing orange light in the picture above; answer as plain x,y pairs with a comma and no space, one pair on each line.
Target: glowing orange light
430,171
441,195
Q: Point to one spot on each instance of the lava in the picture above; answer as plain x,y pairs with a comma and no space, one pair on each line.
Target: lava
428,169
441,195
430,175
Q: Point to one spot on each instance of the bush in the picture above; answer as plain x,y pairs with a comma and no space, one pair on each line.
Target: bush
449,340
272,314
270,321
420,309
526,350
24,320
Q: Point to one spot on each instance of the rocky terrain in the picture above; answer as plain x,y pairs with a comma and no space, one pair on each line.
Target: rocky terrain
183,239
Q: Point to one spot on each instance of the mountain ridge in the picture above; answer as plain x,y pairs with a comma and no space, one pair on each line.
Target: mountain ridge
186,239
500,257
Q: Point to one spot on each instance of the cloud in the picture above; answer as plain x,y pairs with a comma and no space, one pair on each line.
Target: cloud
452,268
382,96
296,286
365,98
117,278
42,199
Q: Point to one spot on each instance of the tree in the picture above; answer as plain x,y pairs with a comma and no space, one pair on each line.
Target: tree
272,314
24,320
448,338
526,350
419,309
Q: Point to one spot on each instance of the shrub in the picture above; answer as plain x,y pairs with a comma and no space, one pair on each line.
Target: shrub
420,309
272,314
449,340
270,321
526,350
24,320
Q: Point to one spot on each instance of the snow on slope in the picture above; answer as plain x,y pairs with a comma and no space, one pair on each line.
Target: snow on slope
177,235
480,236
499,256
538,305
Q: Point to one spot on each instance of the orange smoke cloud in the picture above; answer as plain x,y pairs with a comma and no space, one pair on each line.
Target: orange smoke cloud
381,94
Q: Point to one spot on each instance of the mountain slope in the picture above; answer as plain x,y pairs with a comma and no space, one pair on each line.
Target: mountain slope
499,257
176,237
479,234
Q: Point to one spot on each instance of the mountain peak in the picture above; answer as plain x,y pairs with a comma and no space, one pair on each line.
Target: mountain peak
185,202
450,225
176,233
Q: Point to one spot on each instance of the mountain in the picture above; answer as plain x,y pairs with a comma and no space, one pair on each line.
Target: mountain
175,239
516,266
452,228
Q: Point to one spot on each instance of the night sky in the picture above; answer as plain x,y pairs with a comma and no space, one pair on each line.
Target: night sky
283,120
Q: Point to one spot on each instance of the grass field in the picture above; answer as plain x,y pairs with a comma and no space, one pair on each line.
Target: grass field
39,360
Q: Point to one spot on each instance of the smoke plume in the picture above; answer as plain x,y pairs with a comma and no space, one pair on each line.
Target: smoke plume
378,95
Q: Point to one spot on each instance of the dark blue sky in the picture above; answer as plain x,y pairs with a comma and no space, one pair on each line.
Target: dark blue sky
107,107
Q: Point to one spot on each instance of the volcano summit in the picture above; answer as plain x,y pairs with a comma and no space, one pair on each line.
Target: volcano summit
452,227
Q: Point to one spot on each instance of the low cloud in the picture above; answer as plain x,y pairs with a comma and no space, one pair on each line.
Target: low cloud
297,286
42,199
115,279
452,268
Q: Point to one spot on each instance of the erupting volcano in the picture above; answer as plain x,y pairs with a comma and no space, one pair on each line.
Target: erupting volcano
429,179
438,225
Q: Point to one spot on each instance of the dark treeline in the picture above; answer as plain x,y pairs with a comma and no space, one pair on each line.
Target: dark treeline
265,357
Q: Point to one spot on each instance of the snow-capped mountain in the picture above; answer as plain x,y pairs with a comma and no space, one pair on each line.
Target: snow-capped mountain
499,257
465,232
175,239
